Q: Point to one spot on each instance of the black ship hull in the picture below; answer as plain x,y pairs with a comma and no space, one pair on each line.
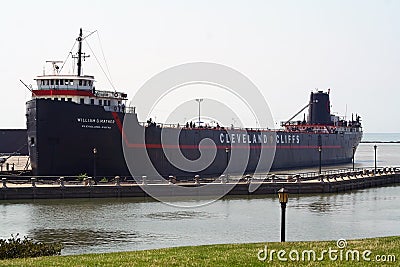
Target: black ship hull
62,136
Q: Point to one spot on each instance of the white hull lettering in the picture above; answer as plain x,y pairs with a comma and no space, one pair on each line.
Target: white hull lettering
91,120
236,138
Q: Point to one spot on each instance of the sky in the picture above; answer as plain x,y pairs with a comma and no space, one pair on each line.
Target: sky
286,48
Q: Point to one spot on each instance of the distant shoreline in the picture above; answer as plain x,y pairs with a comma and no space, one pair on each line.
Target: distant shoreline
380,142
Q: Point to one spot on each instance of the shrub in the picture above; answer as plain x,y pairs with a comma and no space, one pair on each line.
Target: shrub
15,247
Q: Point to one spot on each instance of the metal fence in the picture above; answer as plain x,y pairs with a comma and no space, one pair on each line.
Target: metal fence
226,178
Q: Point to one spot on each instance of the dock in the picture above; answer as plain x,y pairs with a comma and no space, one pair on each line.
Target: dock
12,188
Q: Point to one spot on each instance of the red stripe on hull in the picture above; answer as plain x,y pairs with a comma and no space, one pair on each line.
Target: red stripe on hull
158,146
61,92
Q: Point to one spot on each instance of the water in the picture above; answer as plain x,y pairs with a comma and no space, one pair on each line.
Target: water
105,225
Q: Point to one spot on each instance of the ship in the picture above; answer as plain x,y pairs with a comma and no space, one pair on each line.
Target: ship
74,128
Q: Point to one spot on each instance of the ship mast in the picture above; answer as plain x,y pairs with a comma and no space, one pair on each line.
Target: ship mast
79,39
80,55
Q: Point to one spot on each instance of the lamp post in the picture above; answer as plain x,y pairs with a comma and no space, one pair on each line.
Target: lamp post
375,147
354,151
199,100
320,159
94,164
283,195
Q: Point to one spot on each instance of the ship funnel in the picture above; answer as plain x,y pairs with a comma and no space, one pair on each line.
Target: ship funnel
319,111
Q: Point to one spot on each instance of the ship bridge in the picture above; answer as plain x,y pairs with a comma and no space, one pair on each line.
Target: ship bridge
65,82
78,89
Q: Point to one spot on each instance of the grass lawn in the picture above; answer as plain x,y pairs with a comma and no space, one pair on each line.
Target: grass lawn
385,248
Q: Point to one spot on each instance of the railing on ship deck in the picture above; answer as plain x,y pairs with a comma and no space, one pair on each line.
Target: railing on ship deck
119,109
235,128
183,126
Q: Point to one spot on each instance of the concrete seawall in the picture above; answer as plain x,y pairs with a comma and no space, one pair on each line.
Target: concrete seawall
321,184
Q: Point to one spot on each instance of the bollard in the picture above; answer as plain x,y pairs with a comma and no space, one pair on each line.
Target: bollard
197,179
33,181
223,179
174,179
248,178
144,180
170,179
89,181
61,181
117,181
4,181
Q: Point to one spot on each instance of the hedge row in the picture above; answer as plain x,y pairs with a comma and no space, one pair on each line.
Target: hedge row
15,247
